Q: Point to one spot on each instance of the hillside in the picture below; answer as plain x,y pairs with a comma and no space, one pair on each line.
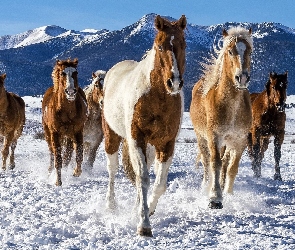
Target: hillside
28,58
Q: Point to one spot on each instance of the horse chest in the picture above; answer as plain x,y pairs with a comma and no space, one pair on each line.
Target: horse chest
158,120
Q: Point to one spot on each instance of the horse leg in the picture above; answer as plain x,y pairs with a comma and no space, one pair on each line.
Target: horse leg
278,141
256,161
79,153
215,193
56,148
112,143
232,168
5,150
204,153
162,164
137,151
12,149
68,150
92,151
225,161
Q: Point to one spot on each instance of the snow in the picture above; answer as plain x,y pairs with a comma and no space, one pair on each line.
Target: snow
35,214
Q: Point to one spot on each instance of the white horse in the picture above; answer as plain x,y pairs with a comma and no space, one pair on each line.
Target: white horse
143,104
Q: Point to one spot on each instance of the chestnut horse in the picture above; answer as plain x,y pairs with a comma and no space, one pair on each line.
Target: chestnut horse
143,104
268,119
12,120
93,133
221,113
64,109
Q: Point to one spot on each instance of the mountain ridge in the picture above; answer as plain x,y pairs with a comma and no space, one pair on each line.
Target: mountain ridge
28,58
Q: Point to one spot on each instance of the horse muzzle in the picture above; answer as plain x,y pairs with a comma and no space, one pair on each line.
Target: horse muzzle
71,94
174,85
242,81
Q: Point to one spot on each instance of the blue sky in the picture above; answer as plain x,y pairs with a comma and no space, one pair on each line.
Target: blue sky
21,15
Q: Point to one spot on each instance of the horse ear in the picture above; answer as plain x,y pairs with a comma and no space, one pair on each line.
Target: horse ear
182,22
93,75
286,73
3,76
224,33
272,75
159,22
250,31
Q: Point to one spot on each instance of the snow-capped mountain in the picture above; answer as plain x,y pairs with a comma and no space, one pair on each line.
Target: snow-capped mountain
28,58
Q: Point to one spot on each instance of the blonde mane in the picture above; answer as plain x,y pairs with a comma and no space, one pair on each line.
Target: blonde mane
213,66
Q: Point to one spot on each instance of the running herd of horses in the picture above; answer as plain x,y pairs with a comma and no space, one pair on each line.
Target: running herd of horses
140,104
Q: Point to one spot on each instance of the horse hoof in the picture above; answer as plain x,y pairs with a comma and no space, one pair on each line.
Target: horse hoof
11,167
58,183
77,173
147,232
277,177
215,205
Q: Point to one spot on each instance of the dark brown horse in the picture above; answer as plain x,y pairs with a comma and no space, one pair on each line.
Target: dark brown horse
64,109
143,104
93,133
221,113
268,119
12,120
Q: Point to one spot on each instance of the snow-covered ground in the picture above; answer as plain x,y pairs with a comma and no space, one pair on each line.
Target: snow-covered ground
35,214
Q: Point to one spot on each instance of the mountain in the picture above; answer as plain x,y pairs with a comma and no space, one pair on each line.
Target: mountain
28,58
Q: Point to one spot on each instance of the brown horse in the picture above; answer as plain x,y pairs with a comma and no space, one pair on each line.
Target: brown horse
12,120
64,109
143,103
221,113
93,133
268,119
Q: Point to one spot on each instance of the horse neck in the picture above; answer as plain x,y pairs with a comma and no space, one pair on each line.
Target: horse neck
3,101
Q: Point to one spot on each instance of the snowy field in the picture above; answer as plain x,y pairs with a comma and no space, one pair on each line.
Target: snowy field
35,214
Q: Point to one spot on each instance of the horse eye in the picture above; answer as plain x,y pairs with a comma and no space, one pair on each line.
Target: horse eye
230,52
160,48
63,74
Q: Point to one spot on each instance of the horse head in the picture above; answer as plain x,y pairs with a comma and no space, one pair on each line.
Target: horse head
97,82
68,77
170,52
238,46
276,88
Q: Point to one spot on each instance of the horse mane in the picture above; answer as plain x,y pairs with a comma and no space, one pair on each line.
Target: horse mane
213,66
60,65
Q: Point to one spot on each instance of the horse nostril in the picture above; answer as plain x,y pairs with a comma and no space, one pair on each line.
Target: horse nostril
170,83
248,79
75,91
237,78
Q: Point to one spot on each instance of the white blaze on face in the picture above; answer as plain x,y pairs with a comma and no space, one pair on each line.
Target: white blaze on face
241,47
174,69
70,80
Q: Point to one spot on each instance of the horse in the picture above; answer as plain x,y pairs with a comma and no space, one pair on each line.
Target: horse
64,109
143,105
268,119
93,133
220,111
12,120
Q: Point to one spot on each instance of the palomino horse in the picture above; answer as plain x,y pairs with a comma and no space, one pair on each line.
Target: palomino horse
12,120
143,104
64,109
221,113
93,134
268,119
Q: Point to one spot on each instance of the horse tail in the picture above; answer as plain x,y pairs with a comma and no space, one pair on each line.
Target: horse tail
127,165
